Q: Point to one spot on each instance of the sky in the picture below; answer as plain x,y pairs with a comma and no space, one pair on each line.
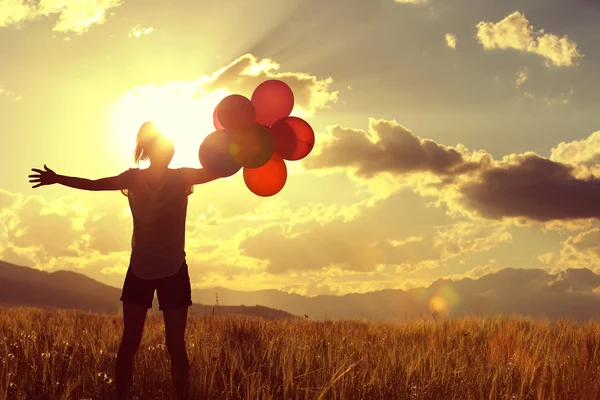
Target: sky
453,138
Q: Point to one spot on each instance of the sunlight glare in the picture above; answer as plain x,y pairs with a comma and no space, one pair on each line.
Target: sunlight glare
178,111
445,299
437,303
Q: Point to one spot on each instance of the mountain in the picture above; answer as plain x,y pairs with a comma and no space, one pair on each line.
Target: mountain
60,289
67,289
254,311
573,293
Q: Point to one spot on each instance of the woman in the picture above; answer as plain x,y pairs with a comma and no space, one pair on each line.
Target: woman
158,201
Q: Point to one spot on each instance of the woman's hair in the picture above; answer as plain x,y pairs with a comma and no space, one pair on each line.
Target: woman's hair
147,134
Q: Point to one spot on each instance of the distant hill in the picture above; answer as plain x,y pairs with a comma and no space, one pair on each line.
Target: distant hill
574,293
253,311
60,289
67,289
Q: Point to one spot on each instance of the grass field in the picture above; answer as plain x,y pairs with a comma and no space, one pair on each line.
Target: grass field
71,355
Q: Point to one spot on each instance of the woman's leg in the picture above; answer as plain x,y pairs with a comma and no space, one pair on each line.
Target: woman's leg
175,324
133,318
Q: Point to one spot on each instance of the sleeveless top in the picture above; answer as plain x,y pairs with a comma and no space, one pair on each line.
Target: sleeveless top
159,216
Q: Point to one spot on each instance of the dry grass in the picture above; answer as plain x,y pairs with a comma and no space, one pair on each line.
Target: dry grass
71,355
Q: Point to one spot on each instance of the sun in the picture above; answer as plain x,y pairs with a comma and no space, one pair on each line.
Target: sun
178,111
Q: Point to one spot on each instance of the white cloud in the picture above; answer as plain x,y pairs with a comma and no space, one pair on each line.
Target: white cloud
515,32
584,152
138,31
451,40
73,16
411,1
522,77
581,251
547,258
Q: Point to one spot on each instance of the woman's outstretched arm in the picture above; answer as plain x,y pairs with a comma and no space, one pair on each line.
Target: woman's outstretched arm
196,176
49,177
202,175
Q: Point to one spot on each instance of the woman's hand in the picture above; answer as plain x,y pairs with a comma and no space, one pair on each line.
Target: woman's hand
42,178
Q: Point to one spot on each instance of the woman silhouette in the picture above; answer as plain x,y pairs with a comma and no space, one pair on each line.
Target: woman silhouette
158,200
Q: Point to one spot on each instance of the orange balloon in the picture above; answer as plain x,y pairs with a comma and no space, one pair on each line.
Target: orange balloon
252,147
267,180
293,138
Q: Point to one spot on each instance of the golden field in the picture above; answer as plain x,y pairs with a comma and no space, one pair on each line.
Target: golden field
68,354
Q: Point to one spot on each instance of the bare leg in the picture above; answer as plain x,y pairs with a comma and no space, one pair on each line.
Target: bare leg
175,324
133,318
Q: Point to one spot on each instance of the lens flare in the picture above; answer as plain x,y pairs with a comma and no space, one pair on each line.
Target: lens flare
437,303
444,300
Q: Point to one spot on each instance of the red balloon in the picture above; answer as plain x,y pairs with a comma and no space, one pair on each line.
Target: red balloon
215,154
273,100
216,122
252,146
293,138
267,180
235,112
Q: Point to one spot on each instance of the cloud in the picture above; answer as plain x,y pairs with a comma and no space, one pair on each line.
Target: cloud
460,238
581,251
451,40
551,100
245,73
75,16
38,232
315,286
377,234
585,152
326,285
68,233
387,147
522,77
547,258
399,233
586,241
527,185
7,201
137,31
515,32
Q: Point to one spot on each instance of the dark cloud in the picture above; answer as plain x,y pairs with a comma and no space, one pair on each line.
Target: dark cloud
535,188
393,148
522,185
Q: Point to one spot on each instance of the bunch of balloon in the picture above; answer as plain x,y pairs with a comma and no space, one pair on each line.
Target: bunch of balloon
258,135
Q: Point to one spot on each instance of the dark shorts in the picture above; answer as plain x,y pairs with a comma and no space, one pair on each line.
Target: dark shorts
173,292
